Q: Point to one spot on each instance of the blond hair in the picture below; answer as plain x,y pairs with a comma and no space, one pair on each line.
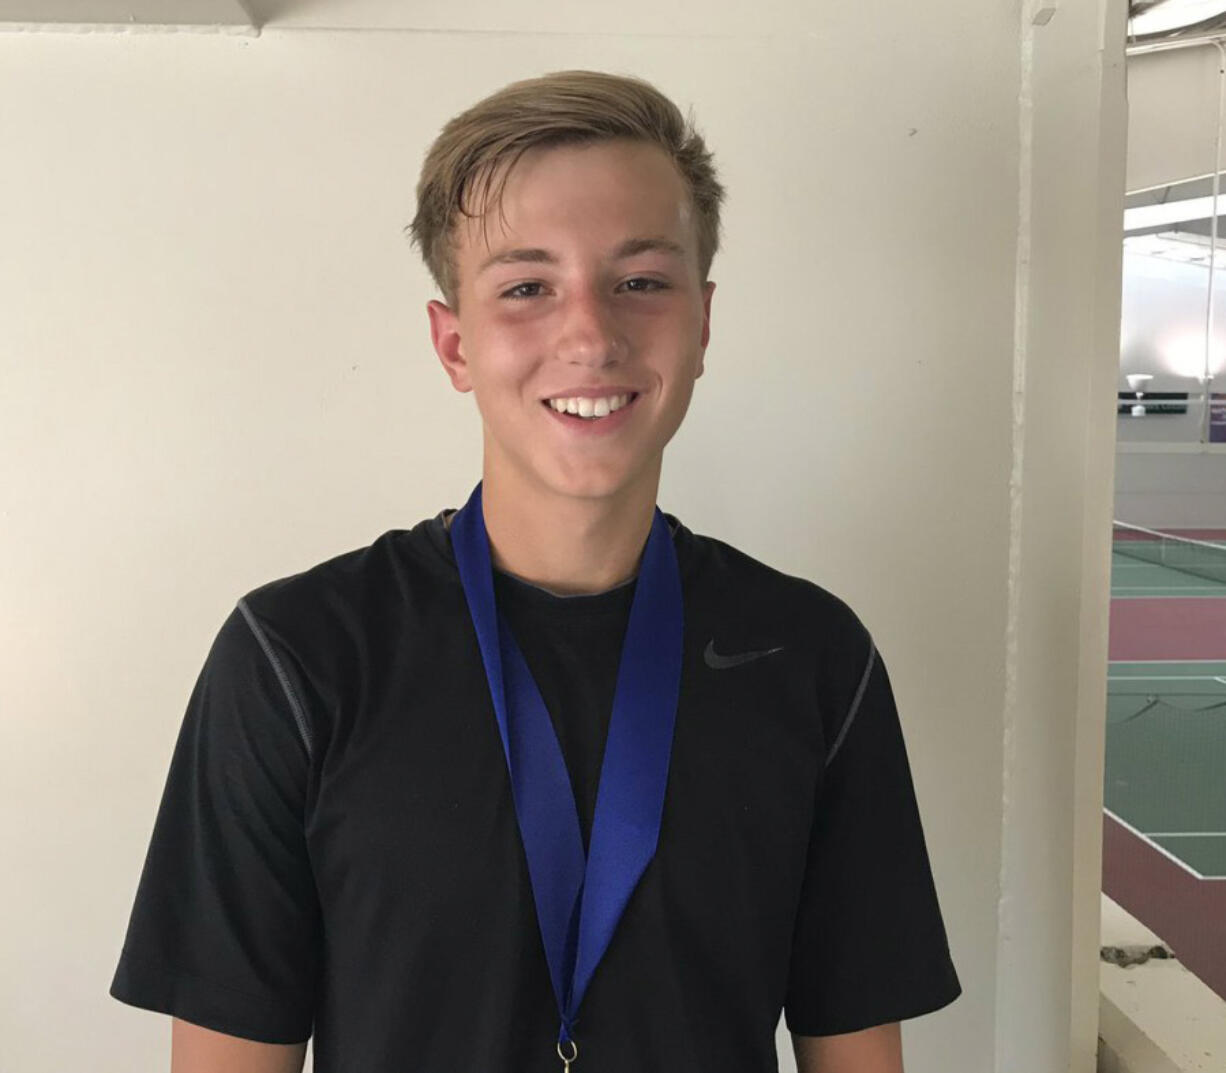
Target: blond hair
562,108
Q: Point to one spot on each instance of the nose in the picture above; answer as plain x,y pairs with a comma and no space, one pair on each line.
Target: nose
590,332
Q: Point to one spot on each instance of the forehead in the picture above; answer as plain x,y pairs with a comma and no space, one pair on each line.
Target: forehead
596,194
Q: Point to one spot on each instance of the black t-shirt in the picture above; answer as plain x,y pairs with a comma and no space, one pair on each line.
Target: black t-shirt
337,853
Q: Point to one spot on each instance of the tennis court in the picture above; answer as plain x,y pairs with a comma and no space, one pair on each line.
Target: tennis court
1167,563
1164,833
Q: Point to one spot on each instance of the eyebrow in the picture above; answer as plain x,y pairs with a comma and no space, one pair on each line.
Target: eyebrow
630,248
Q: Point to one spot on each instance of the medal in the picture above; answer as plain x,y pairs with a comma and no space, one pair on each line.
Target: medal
580,899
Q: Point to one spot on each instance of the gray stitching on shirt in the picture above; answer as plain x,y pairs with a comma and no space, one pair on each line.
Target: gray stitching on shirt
855,703
295,706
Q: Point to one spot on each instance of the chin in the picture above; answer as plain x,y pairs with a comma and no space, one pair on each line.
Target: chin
591,486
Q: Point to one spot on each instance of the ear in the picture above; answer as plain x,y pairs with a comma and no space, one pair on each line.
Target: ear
707,290
445,335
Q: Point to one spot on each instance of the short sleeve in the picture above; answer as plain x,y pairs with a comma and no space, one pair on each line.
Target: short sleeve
869,944
225,931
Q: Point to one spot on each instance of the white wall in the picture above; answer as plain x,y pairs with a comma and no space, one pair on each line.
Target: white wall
215,370
1162,333
1066,349
1171,490
1173,100
1172,113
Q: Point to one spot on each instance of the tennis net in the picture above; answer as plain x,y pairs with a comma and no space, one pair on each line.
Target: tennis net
1200,558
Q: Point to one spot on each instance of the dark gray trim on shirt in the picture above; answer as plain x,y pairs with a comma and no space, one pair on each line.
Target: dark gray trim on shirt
294,704
855,703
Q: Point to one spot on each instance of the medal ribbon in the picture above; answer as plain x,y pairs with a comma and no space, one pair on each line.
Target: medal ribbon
579,900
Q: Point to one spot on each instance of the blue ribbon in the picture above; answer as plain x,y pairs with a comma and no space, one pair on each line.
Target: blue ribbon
580,900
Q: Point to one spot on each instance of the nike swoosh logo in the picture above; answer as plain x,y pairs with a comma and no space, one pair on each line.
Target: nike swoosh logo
714,659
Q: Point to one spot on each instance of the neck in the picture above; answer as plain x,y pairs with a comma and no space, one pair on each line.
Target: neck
566,544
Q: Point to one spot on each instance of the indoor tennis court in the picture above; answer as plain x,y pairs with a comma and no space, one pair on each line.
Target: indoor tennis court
1164,836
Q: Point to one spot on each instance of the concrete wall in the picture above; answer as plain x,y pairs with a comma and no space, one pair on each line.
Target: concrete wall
215,370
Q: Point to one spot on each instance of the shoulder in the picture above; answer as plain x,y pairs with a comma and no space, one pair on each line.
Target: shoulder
343,577
831,647
332,612
747,586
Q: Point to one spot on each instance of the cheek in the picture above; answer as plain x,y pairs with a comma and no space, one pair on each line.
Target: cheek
507,341
504,379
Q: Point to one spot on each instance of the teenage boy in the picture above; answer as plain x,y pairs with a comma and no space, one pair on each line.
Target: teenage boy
551,780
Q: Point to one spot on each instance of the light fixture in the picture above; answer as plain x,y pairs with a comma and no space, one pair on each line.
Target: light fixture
1138,382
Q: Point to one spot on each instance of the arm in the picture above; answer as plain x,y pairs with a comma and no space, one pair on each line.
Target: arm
194,1049
226,928
874,1050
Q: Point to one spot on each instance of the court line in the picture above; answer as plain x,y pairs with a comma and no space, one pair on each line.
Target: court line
1170,592
1121,561
1181,585
1184,581
1159,662
1130,564
1187,834
1124,591
1162,850
1167,678
1133,562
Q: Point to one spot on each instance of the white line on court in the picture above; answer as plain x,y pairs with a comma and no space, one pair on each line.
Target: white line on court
1165,852
1166,678
1142,592
1187,834
1127,561
1160,662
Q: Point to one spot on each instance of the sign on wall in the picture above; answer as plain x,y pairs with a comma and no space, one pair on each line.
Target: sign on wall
1217,417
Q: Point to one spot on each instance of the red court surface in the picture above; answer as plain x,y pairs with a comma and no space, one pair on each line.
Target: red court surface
1168,899
1167,628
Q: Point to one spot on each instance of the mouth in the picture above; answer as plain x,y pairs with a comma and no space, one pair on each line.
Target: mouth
590,410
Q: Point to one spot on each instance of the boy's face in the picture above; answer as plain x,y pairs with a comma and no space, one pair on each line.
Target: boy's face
562,298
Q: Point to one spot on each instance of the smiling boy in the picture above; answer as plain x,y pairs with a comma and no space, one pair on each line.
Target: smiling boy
550,781
591,290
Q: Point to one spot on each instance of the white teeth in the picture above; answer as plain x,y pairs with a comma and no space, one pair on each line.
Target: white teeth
590,408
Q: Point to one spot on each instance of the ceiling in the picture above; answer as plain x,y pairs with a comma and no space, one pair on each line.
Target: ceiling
1163,20
688,18
1149,20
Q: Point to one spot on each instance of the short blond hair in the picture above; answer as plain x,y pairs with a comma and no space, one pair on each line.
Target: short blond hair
562,108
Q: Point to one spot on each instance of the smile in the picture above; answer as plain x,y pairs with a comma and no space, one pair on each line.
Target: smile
590,409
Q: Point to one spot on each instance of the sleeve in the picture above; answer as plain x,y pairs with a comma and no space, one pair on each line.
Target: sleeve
225,931
869,944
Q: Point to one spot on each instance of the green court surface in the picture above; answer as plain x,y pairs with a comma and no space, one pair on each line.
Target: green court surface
1131,579
1166,748
1154,562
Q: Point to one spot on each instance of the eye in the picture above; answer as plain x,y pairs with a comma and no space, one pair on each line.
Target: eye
515,292
651,284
